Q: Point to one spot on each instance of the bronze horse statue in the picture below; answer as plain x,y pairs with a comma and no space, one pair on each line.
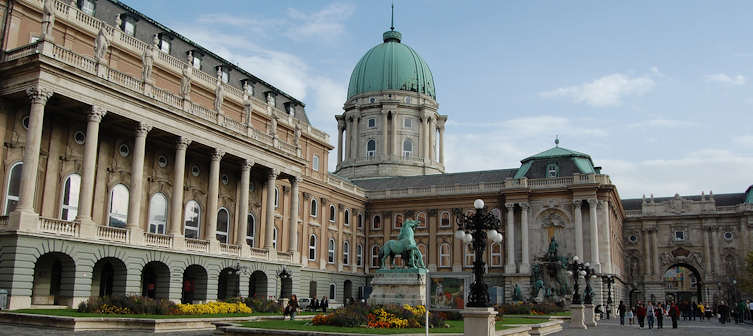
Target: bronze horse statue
405,246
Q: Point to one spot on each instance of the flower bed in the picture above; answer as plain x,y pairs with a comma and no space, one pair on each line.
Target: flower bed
138,305
387,316
213,308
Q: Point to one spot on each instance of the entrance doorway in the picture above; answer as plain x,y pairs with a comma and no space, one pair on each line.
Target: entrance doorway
54,275
682,284
108,277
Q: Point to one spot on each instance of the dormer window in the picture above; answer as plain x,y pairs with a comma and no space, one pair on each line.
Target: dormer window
129,26
552,170
372,123
164,44
291,109
271,98
87,6
196,62
225,76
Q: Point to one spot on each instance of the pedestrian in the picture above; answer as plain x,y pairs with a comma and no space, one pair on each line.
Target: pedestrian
314,306
723,311
674,314
750,310
650,314
630,316
324,303
621,309
292,307
659,316
641,312
702,310
740,314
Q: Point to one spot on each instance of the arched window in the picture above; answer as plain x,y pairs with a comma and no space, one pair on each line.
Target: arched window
331,213
407,148
444,255
468,257
424,255
274,238
552,170
158,213
223,223
118,206
376,222
346,253
359,255
314,208
312,247
331,251
375,256
371,149
250,229
496,254
421,218
346,220
71,188
445,219
398,221
332,291
14,187
277,197
192,219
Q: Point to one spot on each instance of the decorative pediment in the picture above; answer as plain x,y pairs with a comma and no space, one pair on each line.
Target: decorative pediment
680,252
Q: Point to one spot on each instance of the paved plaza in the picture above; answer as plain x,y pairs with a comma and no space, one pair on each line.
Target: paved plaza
685,328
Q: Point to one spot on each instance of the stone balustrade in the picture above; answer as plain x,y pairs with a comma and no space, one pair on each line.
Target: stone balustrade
197,245
229,249
112,234
58,227
158,240
4,221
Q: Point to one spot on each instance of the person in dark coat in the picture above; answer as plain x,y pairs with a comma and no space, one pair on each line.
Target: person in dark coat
324,303
640,311
674,313
723,310
314,304
622,309
659,311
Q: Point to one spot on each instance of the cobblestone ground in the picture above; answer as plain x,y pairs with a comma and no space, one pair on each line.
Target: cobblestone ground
684,328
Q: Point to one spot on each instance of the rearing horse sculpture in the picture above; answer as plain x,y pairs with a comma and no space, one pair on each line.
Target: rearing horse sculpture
405,246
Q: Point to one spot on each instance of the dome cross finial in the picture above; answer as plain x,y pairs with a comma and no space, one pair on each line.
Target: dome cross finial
392,18
556,140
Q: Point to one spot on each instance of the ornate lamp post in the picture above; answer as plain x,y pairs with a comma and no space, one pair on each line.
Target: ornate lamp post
575,269
476,229
588,293
609,280
284,275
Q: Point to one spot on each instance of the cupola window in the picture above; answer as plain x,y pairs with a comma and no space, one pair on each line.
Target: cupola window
407,148
552,170
87,6
164,45
372,123
407,123
371,149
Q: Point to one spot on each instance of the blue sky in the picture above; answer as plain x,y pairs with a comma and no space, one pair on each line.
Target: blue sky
659,93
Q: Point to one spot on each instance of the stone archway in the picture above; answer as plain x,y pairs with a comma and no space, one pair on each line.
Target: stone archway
258,285
109,277
552,223
155,280
286,287
54,276
194,284
347,290
228,284
682,283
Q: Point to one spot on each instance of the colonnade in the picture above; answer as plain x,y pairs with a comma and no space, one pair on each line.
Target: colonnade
38,97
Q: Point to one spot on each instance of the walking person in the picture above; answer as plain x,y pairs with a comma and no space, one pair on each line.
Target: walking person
702,310
659,316
674,314
621,309
650,314
630,316
324,303
723,311
641,312
292,307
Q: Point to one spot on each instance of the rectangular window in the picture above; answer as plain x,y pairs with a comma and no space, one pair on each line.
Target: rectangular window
679,235
372,123
407,123
164,45
129,27
225,76
87,6
315,163
196,63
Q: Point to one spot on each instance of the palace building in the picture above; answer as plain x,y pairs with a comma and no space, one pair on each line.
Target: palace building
136,162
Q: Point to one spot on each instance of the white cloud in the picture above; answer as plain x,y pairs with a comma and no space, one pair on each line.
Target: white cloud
662,123
606,91
325,23
744,140
726,79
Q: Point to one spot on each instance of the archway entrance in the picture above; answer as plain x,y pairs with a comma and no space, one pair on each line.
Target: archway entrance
286,287
194,285
109,277
682,283
155,280
347,290
257,286
228,284
54,275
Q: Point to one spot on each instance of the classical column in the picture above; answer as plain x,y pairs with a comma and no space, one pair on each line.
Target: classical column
385,136
176,213
433,138
608,239
717,259
594,235
510,238
213,195
525,265
88,167
137,183
706,250
339,143
241,229
293,244
356,146
578,215
646,253
441,143
426,136
396,145
655,243
269,223
352,147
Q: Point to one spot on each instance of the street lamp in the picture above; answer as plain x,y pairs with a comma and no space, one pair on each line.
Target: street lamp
609,280
575,268
475,229
284,275
588,293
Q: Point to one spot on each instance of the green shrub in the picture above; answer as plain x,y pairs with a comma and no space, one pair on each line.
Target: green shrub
127,304
263,305
437,319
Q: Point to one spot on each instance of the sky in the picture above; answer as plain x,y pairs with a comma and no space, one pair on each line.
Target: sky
659,93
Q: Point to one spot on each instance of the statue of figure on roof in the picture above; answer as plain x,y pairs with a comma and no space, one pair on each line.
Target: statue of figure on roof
185,82
147,59
101,44
48,19
219,92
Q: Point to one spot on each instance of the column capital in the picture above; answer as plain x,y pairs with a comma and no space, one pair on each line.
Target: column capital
142,129
306,196
577,203
592,202
182,143
273,173
218,154
295,179
510,205
247,164
39,94
96,113
524,205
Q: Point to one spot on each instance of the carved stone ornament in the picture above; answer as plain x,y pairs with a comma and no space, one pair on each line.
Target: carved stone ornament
142,129
552,218
96,113
101,44
147,60
38,95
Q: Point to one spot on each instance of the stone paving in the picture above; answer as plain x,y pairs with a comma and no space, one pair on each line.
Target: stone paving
32,331
685,328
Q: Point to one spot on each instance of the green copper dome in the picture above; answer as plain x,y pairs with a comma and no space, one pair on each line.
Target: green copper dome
391,66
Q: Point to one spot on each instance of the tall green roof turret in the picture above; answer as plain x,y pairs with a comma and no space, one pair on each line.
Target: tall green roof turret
391,65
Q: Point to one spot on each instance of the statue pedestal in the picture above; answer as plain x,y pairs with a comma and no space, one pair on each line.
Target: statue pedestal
400,286
479,321
577,320
588,316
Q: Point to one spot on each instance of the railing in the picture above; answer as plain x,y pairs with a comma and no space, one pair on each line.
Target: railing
112,234
69,57
230,249
125,80
727,208
4,220
20,52
167,97
59,226
549,182
633,213
235,126
259,252
158,240
287,147
197,245
202,112
285,256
